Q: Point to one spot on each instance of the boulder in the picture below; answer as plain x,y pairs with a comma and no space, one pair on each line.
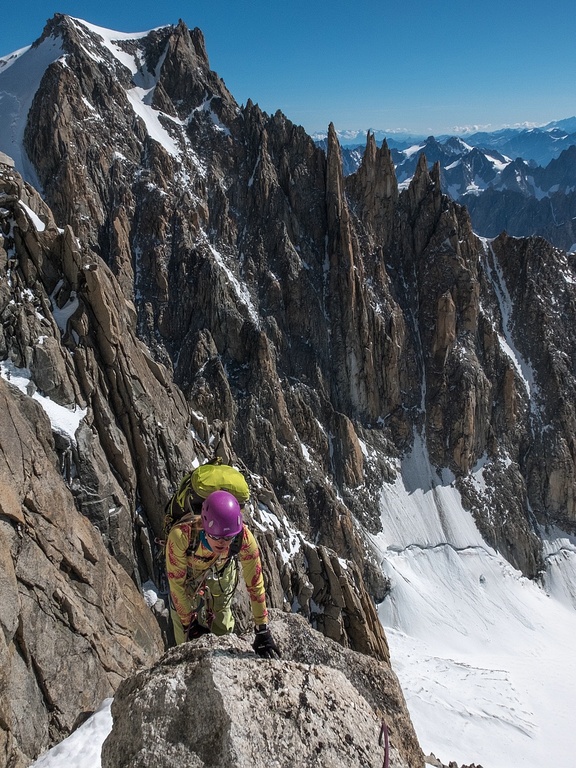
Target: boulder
212,702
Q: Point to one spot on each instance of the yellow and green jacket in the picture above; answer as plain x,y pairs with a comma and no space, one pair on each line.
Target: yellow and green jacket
185,569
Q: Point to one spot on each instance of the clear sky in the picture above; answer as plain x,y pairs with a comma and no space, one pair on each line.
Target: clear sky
418,65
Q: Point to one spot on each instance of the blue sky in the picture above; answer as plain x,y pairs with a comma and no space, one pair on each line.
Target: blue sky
422,66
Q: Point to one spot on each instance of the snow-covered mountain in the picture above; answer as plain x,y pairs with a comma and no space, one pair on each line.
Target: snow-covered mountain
502,194
401,391
357,138
538,145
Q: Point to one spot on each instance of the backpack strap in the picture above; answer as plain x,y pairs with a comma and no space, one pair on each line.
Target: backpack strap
195,539
233,552
236,545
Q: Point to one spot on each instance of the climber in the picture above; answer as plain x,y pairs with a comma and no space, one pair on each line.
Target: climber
202,554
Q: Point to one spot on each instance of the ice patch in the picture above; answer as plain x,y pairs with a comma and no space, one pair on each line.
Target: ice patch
63,420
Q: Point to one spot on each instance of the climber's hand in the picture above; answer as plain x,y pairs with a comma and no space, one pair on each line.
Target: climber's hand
264,644
195,630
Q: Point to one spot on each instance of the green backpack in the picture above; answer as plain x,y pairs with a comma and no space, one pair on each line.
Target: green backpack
195,486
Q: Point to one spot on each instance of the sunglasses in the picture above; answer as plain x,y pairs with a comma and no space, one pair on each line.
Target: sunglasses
221,538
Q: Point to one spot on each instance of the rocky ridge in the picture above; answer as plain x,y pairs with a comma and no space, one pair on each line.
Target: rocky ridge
74,538
401,300
501,192
319,705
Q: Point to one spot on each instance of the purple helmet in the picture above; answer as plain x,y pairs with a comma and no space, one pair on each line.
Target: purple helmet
221,514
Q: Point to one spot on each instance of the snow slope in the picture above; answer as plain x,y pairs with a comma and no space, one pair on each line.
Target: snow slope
20,78
485,656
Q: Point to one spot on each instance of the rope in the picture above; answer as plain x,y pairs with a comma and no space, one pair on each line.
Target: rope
207,595
384,736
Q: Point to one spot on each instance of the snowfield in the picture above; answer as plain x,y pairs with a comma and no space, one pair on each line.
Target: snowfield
485,656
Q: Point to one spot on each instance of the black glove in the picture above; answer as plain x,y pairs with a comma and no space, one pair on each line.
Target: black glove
264,644
195,630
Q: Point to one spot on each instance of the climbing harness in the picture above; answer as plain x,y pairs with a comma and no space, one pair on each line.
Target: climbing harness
206,593
384,739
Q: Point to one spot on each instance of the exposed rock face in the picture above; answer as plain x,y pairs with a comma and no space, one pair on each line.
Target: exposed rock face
67,322
541,280
318,705
353,314
68,327
68,611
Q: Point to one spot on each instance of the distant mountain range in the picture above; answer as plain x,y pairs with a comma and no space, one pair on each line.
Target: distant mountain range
539,144
522,181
